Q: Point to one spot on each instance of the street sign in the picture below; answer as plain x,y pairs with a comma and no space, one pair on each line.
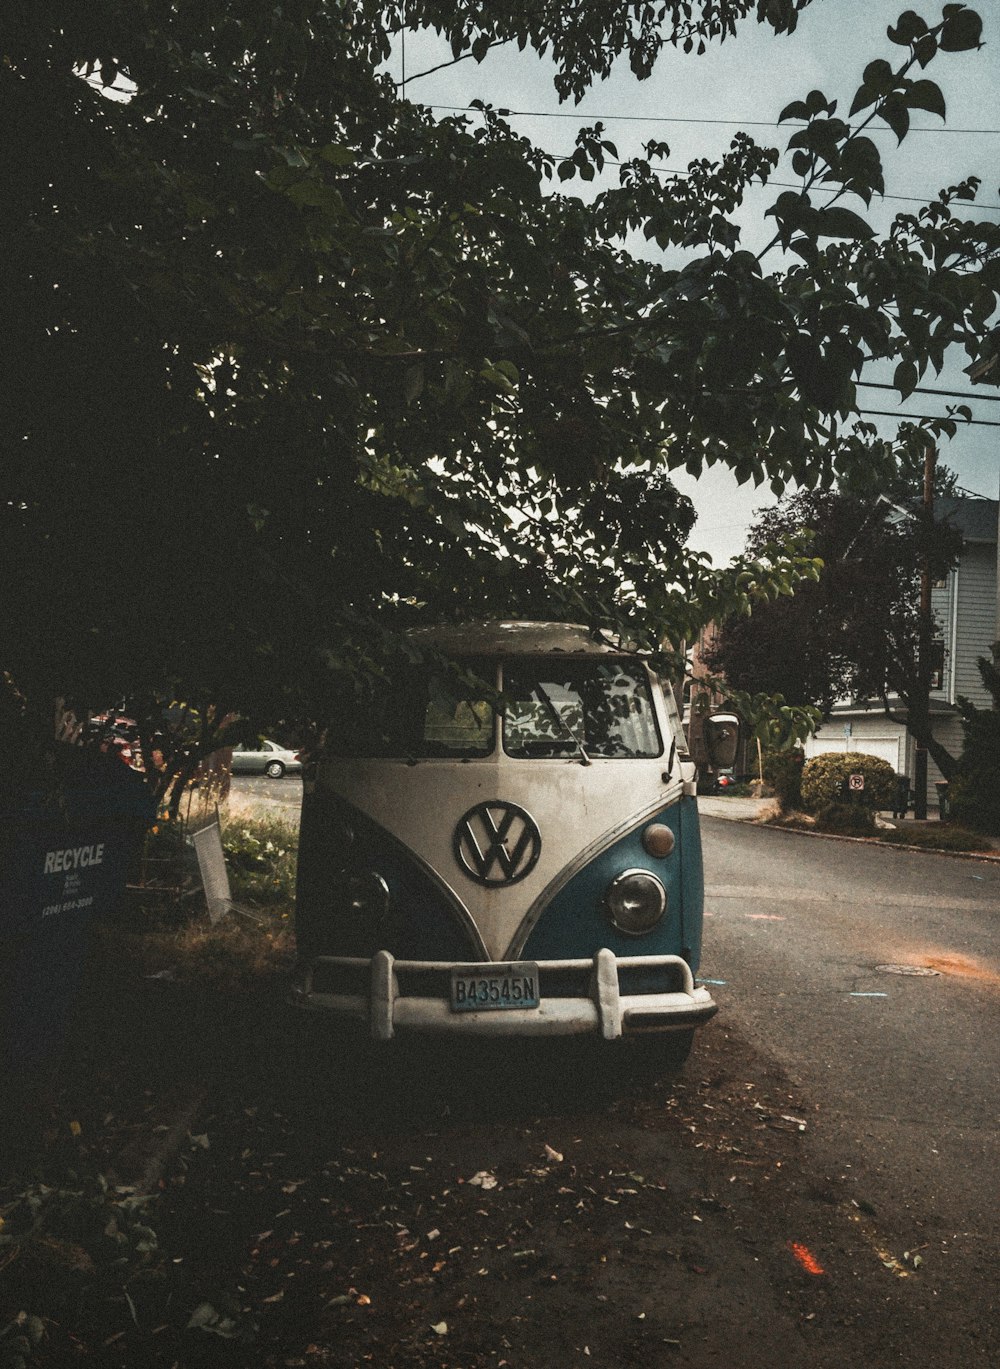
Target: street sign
856,782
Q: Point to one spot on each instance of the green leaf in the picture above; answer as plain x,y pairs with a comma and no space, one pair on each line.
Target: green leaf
817,103
905,378
896,115
841,223
880,76
962,29
863,97
925,49
338,155
909,26
801,163
567,170
796,110
925,95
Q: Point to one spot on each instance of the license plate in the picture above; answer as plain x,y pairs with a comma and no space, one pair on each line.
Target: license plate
502,986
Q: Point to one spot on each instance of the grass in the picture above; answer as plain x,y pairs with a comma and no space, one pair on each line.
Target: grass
937,837
233,955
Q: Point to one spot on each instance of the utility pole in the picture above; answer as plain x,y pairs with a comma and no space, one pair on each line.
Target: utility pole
924,637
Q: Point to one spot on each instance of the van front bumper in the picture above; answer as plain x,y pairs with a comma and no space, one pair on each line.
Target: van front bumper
407,995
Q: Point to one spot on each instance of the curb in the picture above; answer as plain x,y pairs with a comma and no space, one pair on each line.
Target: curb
987,856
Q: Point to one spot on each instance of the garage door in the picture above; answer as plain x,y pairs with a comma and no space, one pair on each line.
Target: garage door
886,748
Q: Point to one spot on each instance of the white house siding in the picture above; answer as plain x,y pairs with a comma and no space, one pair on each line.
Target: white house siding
948,731
975,620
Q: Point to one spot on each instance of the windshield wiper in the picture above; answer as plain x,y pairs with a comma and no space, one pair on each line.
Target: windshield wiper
561,723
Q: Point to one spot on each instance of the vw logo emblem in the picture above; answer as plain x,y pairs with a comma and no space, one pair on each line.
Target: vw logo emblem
497,843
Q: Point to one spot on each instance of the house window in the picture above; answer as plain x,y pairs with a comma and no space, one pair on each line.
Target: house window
937,664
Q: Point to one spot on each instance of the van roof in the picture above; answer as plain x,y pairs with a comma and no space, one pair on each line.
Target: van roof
513,638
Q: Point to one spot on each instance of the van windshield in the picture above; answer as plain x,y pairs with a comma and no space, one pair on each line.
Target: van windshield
424,714
594,708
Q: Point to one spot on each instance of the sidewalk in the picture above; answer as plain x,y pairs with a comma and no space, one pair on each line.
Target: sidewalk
736,809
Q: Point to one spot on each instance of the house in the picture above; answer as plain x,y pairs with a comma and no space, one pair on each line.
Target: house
966,609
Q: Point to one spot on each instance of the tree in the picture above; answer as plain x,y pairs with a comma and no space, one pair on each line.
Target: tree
857,631
291,364
975,796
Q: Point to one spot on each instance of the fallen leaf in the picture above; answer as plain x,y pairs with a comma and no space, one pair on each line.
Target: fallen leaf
441,1327
206,1318
553,1155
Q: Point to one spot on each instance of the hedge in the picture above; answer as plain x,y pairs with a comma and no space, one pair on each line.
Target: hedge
824,781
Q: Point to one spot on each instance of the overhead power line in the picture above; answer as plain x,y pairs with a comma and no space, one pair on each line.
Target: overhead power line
681,119
672,171
926,390
791,185
895,414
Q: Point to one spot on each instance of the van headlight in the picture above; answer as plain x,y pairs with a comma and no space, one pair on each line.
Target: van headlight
635,902
365,895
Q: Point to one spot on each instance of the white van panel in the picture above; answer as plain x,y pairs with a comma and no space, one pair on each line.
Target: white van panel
574,807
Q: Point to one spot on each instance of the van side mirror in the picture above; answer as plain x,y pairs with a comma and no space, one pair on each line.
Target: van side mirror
721,732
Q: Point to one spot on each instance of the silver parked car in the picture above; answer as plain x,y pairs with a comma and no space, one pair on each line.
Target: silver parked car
267,758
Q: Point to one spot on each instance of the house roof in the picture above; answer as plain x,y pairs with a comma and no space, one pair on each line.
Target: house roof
976,519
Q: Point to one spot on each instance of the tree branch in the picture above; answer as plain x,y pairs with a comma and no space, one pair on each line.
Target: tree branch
454,62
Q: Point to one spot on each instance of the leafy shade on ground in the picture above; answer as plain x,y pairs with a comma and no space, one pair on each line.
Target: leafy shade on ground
227,1184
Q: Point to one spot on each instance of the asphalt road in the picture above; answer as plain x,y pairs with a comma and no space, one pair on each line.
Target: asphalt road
282,798
900,1071
892,1177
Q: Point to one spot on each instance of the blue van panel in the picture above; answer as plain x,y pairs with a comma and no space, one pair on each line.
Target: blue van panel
693,875
575,922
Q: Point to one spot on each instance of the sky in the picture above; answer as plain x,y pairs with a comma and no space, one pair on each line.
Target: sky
744,83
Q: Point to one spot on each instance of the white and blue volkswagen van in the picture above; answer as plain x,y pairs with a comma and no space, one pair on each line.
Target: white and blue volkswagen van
507,847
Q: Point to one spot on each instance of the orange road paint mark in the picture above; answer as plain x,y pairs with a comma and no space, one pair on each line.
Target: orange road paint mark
806,1258
952,964
764,917
962,965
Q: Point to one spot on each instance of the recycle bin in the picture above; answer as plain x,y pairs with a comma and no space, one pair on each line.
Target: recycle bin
944,803
64,853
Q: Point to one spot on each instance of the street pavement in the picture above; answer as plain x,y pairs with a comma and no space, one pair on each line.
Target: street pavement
871,977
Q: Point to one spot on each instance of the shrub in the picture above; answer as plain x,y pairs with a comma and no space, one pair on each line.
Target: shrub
783,772
852,819
261,854
975,801
824,781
